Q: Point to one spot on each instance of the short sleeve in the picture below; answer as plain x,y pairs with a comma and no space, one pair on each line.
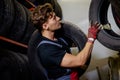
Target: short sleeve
50,54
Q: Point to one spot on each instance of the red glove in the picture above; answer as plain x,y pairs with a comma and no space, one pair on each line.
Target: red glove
92,31
74,75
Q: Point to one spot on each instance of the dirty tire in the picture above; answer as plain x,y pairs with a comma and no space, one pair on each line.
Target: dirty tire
115,4
98,12
116,17
6,16
12,66
74,35
29,28
19,25
37,70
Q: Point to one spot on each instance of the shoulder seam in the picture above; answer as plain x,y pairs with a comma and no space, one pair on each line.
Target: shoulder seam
48,42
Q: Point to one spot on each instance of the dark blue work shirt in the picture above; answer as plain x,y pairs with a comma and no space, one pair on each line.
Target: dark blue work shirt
51,54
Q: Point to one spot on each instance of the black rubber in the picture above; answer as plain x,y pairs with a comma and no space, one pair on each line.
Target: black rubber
12,66
98,12
74,35
26,69
19,25
29,28
20,29
70,32
116,17
6,16
115,4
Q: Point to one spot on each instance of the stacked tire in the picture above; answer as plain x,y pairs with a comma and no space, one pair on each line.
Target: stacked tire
14,18
98,12
116,11
16,25
13,66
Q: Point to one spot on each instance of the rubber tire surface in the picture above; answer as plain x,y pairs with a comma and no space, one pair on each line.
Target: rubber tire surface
13,66
115,4
29,28
72,33
19,25
37,70
6,16
98,12
116,17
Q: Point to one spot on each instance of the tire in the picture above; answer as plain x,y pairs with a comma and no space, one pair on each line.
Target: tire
116,17
98,12
19,25
116,5
6,16
29,28
116,10
12,66
71,33
26,69
37,70
74,36
57,9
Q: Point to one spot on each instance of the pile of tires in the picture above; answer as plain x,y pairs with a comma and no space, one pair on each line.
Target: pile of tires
15,21
13,66
16,25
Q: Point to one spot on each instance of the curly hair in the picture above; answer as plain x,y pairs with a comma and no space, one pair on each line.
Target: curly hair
41,14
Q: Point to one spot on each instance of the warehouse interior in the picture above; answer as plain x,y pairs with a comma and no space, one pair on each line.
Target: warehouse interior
104,57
